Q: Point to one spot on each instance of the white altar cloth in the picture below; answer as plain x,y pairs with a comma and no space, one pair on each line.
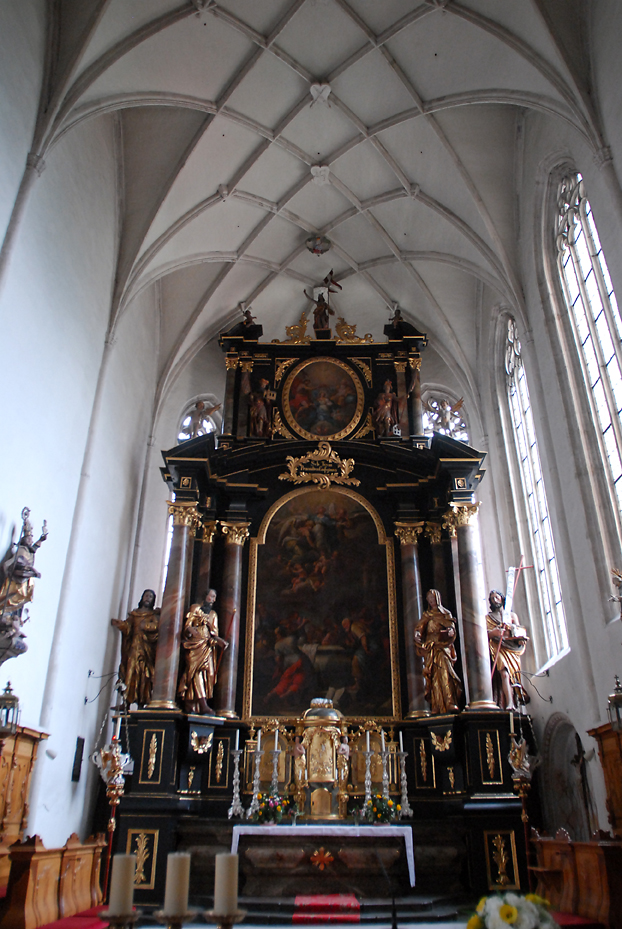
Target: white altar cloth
400,832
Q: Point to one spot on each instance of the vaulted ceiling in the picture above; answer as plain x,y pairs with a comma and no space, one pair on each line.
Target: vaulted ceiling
225,109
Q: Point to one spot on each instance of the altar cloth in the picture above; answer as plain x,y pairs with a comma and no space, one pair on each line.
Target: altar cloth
384,831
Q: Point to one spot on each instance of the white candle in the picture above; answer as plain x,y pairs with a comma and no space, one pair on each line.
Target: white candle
177,882
382,739
276,740
258,741
401,742
237,739
121,898
226,885
511,723
367,739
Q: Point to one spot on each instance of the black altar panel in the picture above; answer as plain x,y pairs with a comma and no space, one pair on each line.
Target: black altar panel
321,608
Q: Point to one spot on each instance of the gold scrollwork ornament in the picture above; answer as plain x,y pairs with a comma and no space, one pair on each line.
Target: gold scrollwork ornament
433,532
201,743
441,744
490,756
279,427
220,754
142,856
501,860
367,427
347,333
153,753
322,466
297,334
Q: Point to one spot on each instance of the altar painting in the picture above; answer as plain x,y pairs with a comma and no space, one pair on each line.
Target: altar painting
322,398
323,609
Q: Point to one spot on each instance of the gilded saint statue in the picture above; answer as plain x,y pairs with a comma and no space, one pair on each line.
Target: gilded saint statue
435,635
17,569
138,647
200,641
507,643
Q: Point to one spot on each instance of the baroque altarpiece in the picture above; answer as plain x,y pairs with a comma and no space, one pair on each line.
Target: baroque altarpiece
321,516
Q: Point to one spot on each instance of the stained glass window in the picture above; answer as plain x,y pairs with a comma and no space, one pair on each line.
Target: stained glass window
538,519
595,319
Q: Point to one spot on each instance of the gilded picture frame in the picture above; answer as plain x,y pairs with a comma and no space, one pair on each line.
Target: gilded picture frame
323,398
326,624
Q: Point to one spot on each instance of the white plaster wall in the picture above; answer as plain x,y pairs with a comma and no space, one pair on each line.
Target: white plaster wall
98,583
205,373
54,312
22,41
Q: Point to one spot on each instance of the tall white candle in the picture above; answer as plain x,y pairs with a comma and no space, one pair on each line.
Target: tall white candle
121,898
401,742
226,885
367,739
259,740
237,739
177,883
511,723
382,739
276,740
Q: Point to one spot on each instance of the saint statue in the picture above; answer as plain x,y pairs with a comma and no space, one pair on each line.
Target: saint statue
507,642
300,772
17,569
435,635
138,647
386,411
200,640
343,763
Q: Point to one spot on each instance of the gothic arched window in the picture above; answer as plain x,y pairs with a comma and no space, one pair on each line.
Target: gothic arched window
595,319
545,562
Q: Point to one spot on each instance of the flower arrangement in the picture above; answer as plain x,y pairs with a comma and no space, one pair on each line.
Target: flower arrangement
379,810
504,910
272,808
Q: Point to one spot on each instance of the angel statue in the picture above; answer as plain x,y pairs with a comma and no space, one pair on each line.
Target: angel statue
444,417
17,581
197,422
616,577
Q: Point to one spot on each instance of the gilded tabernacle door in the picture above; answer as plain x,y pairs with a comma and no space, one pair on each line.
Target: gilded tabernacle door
321,609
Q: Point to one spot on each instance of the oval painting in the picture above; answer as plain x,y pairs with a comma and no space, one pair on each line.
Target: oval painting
323,398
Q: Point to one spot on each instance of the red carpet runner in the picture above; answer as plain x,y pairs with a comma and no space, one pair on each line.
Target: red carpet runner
326,908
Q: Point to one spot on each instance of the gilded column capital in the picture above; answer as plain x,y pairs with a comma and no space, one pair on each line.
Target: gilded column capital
408,533
236,533
449,523
210,529
464,514
231,362
400,367
247,365
415,363
185,514
433,532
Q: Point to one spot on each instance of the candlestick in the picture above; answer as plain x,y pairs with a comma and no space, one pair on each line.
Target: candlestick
406,807
401,742
236,808
237,739
177,883
254,807
384,755
368,756
121,898
274,783
226,884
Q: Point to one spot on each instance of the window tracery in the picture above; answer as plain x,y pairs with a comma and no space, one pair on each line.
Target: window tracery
595,320
534,493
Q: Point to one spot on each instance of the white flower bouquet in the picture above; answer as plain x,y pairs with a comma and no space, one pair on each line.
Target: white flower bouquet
504,910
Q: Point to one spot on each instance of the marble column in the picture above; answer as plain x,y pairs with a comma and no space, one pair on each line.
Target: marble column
408,534
230,597
475,645
205,564
433,532
231,364
416,407
174,606
402,398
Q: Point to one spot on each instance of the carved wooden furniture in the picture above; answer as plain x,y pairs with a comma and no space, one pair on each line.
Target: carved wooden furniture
581,878
610,752
17,757
46,884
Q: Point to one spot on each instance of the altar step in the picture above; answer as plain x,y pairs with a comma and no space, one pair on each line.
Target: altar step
409,910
